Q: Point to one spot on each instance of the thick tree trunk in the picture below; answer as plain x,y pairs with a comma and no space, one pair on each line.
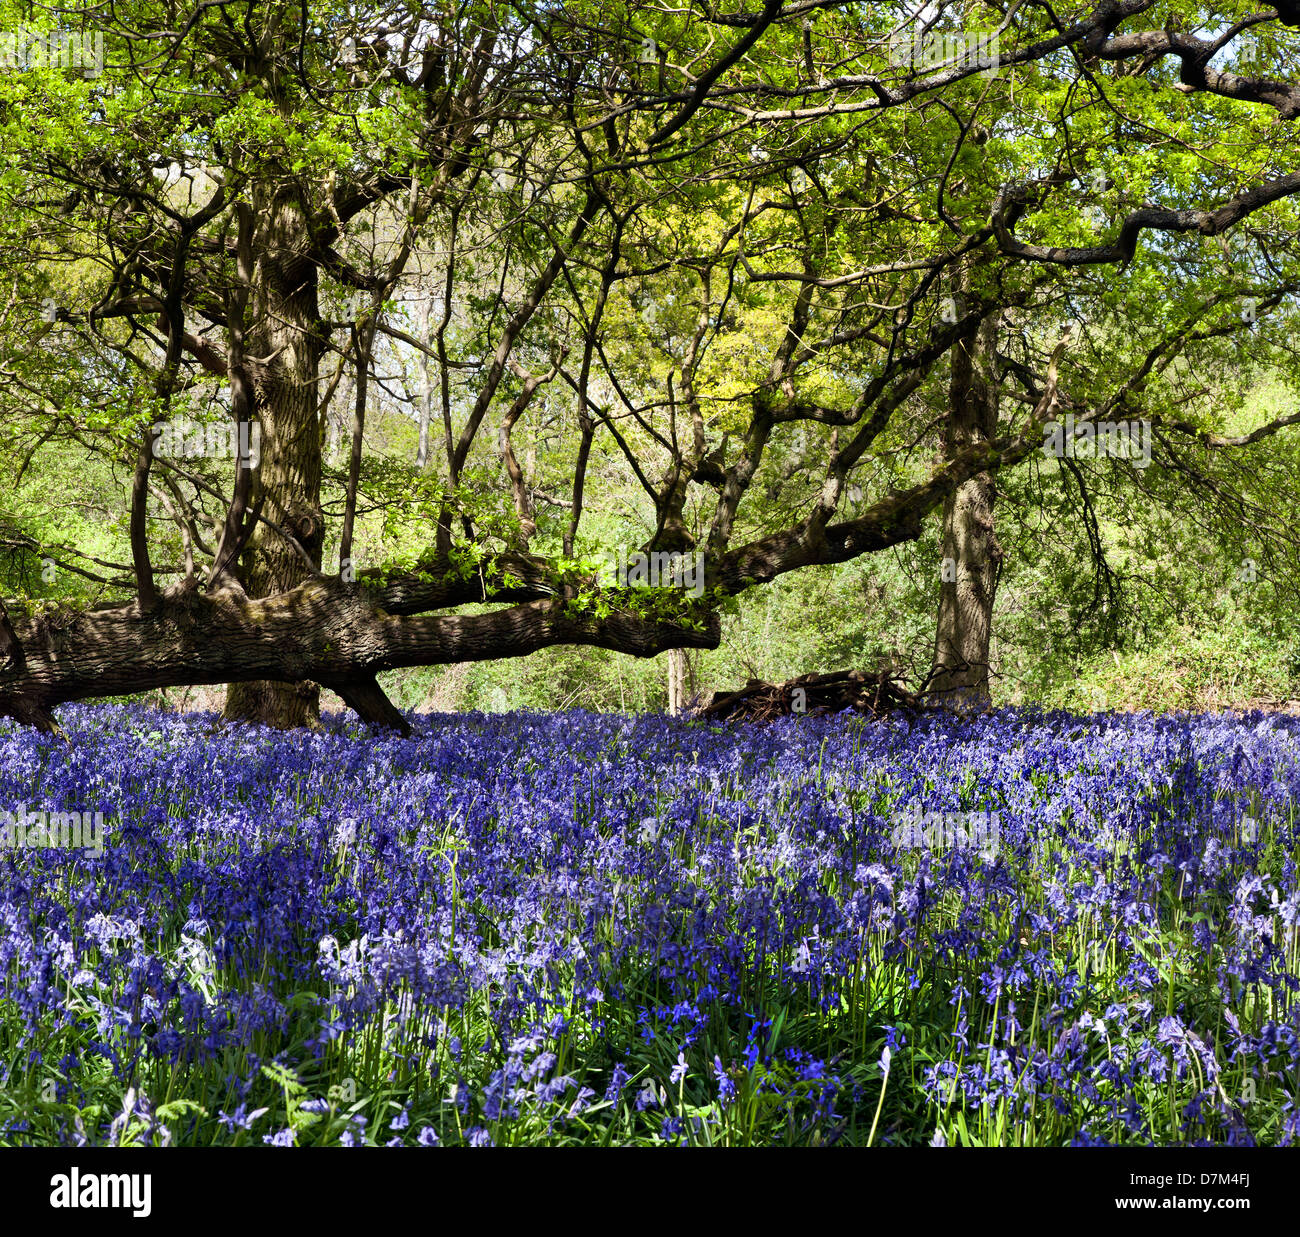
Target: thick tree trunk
971,555
286,336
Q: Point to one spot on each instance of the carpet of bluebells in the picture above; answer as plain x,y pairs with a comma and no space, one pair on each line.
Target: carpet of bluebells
576,928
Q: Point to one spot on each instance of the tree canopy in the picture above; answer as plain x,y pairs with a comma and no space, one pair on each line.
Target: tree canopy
770,287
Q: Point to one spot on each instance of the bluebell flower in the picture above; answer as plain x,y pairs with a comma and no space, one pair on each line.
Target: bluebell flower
670,1128
726,1087
241,1118
617,1082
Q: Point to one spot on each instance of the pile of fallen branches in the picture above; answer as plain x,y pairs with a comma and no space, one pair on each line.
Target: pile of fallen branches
862,691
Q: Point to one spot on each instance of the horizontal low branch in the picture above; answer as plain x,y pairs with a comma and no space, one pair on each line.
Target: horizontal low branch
323,631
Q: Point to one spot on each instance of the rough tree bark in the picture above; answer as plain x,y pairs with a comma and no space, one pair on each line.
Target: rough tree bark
287,336
971,555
